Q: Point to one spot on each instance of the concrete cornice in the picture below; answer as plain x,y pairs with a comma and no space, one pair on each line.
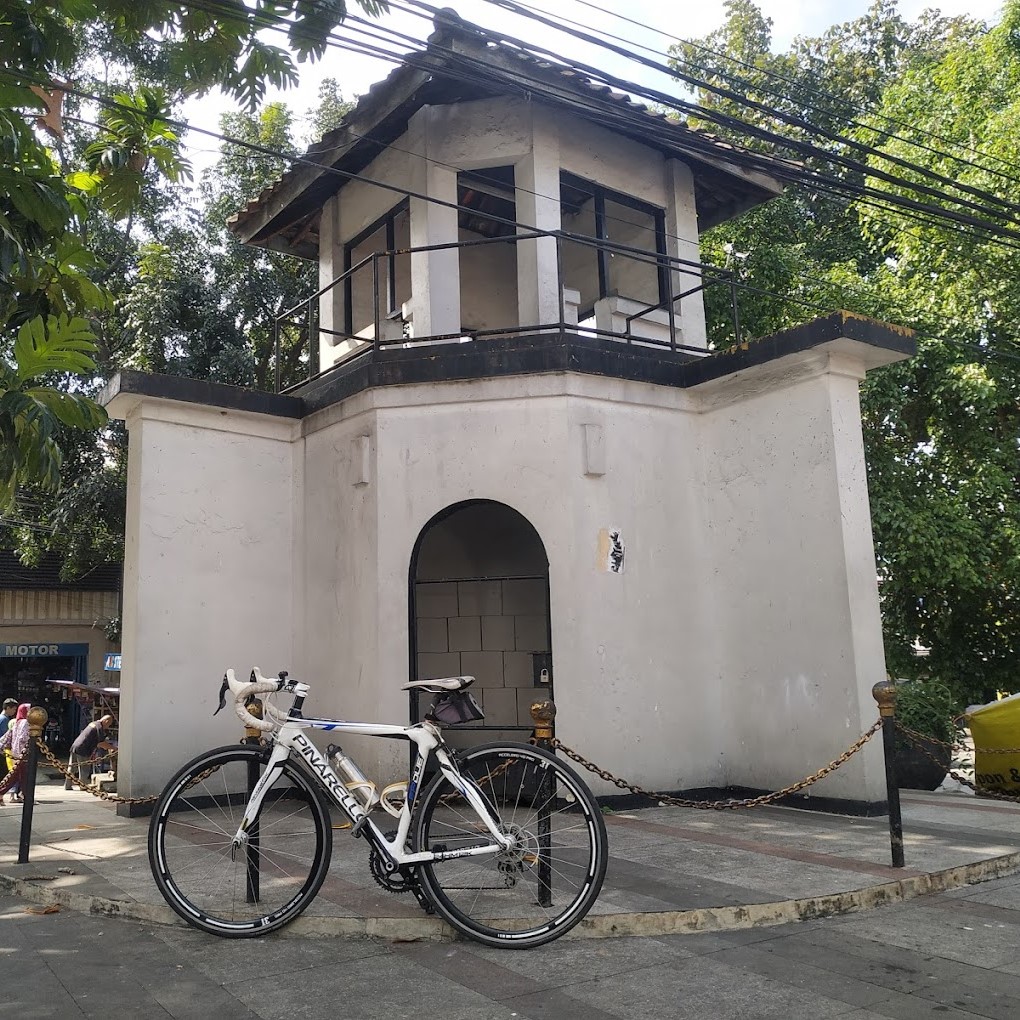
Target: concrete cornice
131,396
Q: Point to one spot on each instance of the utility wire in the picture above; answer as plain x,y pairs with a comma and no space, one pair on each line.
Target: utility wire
697,142
815,178
299,160
806,149
810,90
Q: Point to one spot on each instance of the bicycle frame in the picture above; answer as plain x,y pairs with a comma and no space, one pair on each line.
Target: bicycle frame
290,739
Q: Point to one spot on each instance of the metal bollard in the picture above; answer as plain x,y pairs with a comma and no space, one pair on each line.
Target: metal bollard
37,718
543,714
885,694
253,736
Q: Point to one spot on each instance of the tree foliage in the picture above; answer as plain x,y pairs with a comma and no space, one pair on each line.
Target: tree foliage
48,270
941,431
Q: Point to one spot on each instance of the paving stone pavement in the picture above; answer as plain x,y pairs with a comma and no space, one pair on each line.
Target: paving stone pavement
671,870
951,955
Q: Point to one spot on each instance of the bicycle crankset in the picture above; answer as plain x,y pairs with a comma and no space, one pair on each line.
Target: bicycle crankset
399,880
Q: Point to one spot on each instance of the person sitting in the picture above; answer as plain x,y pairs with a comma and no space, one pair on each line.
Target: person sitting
94,737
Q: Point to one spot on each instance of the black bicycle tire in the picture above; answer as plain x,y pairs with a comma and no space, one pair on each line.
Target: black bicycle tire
257,926
550,929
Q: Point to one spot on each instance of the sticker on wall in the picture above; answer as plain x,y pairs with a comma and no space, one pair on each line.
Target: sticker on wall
611,551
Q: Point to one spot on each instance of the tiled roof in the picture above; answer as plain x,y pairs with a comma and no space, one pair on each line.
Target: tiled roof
452,53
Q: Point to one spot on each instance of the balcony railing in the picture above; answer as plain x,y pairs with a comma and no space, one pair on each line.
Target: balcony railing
615,317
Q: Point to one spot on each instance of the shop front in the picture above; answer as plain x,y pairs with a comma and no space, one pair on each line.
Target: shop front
26,668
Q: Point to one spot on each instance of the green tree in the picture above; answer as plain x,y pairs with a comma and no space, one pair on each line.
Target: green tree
941,431
189,299
45,265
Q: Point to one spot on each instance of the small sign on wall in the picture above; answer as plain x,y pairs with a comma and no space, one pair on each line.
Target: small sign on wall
112,663
611,551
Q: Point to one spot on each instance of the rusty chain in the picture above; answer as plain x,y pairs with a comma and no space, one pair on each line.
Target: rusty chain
487,778
916,739
55,763
955,745
729,803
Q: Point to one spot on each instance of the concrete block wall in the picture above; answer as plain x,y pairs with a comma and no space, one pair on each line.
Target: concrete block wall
486,629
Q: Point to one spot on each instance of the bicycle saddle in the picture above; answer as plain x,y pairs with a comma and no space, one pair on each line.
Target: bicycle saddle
447,683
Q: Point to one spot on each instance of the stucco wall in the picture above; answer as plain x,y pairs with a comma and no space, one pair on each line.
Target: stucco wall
796,599
737,645
725,652
208,575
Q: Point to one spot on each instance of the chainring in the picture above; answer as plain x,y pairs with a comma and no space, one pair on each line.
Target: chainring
401,880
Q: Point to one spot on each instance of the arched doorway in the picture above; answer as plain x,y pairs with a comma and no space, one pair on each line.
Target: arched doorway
479,605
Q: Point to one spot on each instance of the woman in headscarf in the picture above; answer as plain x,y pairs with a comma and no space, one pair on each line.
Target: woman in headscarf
14,744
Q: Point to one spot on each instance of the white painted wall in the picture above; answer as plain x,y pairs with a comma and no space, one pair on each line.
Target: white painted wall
447,289
738,646
208,574
795,598
740,643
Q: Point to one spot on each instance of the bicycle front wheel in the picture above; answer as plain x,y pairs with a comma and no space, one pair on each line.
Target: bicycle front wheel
257,888
550,876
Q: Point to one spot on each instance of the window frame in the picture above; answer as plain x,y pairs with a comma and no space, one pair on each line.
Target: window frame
600,194
387,220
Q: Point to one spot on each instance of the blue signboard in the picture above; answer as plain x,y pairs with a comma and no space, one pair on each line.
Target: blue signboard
112,662
46,649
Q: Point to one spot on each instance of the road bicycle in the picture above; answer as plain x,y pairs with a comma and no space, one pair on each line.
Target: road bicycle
505,841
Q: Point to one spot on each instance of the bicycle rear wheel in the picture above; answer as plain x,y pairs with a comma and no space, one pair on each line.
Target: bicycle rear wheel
257,889
547,880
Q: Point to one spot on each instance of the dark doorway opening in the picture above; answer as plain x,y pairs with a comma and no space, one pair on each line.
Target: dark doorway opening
479,605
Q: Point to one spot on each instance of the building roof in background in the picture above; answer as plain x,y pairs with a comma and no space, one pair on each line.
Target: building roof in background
463,62
46,577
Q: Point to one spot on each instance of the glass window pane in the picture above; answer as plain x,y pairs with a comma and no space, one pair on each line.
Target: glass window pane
630,276
580,261
361,284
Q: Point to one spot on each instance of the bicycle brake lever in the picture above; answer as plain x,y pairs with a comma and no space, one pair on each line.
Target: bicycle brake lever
223,695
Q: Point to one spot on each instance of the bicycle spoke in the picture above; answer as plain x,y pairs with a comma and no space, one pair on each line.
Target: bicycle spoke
249,888
556,848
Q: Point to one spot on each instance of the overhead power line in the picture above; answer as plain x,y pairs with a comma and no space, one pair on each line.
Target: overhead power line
808,89
714,116
816,179
264,150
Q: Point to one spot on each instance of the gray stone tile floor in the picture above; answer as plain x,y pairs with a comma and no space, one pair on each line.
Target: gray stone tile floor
928,958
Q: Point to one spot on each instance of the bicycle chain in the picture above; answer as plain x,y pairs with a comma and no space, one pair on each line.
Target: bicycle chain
730,803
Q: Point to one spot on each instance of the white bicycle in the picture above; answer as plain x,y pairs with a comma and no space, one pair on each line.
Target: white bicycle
506,842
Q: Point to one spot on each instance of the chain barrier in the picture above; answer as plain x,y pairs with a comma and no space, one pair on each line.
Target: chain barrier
920,740
955,745
54,762
729,803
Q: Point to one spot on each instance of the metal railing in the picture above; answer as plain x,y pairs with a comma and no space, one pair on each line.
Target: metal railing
303,320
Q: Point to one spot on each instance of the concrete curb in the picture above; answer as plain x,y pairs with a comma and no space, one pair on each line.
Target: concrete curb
665,922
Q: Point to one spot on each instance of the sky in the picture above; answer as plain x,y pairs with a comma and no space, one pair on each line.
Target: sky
665,20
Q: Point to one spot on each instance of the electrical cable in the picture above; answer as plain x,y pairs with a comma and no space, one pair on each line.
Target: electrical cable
792,173
767,72
283,156
884,200
712,115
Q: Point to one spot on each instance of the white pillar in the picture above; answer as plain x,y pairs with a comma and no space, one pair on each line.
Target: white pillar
537,183
682,243
331,265
435,275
